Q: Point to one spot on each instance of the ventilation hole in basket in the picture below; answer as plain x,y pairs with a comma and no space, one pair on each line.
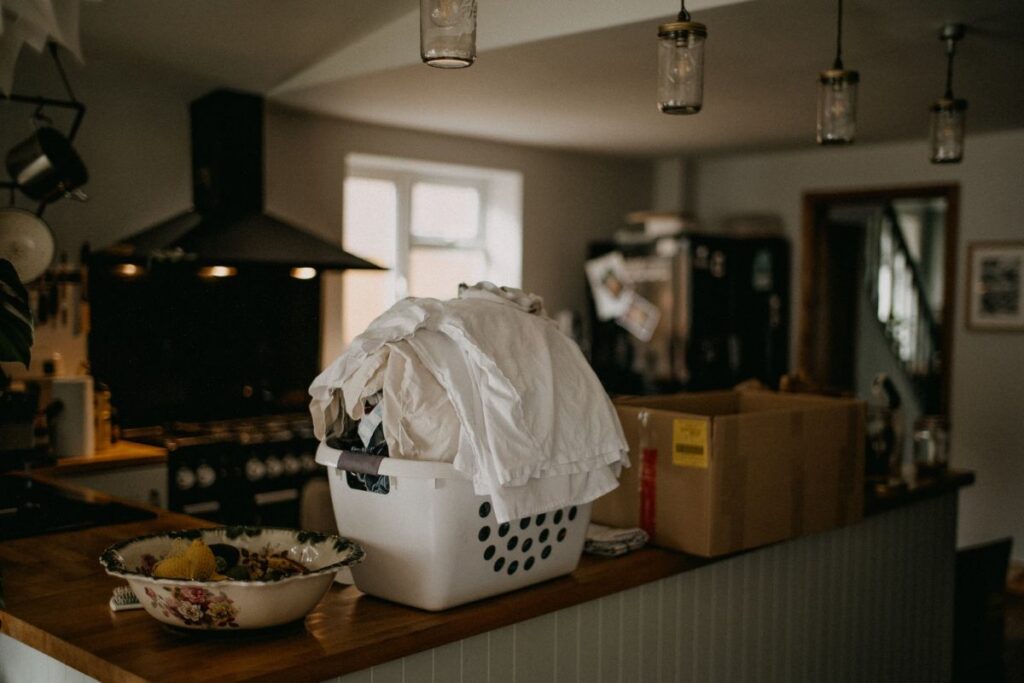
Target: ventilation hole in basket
558,517
485,509
513,542
512,567
572,513
528,565
503,529
485,533
543,538
561,535
546,553
499,563
524,522
527,544
540,518
489,553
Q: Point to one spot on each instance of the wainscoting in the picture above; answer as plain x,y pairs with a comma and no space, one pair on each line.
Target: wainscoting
870,602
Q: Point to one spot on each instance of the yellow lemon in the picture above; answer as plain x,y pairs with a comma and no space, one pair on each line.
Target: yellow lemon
172,568
201,562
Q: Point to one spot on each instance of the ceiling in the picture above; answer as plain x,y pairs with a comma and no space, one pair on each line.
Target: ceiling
592,90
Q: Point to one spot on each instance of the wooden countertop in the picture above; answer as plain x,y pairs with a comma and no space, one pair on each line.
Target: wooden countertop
120,454
879,500
56,601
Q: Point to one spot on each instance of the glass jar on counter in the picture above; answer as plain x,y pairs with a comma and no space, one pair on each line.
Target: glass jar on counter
931,446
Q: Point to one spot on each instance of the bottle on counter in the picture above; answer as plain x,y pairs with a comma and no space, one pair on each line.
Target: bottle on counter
103,417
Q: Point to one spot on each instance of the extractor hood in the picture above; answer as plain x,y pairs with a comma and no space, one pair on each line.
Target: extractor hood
228,224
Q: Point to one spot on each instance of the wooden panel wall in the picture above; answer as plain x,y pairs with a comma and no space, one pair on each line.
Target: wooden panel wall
869,602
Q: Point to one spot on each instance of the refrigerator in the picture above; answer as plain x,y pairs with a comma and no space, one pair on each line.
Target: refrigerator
724,314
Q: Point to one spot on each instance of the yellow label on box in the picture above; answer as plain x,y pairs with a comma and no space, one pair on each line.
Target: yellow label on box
690,443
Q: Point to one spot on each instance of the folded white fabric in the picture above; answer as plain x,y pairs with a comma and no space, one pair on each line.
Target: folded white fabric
483,382
611,542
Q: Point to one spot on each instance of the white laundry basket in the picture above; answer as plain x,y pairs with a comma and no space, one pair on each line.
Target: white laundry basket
432,543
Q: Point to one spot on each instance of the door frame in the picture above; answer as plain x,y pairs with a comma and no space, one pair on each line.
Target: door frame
810,303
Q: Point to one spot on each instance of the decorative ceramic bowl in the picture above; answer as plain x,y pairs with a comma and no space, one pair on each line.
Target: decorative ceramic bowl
230,604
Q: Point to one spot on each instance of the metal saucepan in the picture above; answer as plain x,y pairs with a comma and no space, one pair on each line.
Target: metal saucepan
45,166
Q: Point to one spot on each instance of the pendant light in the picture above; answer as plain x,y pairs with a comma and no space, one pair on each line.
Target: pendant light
948,112
681,64
448,33
837,97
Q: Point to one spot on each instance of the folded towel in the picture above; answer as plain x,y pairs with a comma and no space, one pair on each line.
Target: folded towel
611,542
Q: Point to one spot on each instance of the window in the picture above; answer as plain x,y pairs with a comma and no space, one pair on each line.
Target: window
432,225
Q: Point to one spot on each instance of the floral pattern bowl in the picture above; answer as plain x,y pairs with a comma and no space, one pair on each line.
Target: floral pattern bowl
230,604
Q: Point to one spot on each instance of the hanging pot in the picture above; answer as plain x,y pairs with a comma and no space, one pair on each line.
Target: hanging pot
26,241
45,166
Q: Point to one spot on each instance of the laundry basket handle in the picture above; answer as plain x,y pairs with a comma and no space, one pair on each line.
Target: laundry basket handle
360,463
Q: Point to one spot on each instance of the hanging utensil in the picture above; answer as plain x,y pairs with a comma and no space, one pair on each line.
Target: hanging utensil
26,241
46,167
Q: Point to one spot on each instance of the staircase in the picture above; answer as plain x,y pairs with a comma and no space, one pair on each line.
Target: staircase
899,297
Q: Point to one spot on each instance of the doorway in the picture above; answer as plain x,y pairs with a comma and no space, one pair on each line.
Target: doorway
877,292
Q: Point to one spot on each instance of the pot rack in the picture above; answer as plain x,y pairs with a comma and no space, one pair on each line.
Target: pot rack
71,103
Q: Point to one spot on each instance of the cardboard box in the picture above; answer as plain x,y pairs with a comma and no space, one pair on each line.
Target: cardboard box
718,472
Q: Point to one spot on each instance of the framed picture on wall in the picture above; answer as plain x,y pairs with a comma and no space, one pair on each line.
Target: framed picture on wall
995,290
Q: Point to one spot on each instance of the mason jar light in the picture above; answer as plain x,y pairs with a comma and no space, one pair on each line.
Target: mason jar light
448,33
837,97
681,65
948,113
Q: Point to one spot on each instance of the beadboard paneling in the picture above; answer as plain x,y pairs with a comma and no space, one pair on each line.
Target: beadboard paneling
869,602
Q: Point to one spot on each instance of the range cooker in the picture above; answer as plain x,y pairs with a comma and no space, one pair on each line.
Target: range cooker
251,471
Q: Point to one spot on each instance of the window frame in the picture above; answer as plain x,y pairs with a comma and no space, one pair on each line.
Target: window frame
404,181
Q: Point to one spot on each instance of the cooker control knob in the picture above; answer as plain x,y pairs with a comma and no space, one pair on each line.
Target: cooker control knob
292,465
308,462
275,468
184,478
206,475
255,469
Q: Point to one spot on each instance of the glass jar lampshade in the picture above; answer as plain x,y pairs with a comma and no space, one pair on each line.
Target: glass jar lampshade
448,33
681,67
837,106
947,130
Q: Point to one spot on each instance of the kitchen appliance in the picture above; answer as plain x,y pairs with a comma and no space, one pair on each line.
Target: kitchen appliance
73,426
201,317
30,508
249,472
228,224
724,314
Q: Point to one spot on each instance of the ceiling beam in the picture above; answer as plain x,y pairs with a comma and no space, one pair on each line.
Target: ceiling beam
501,24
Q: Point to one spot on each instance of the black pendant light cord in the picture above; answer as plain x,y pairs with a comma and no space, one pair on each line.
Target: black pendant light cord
683,14
838,64
950,53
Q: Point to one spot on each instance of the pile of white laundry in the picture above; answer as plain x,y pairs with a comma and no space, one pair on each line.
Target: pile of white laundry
488,383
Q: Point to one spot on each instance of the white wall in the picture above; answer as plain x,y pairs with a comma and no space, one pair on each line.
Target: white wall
568,198
988,369
134,142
